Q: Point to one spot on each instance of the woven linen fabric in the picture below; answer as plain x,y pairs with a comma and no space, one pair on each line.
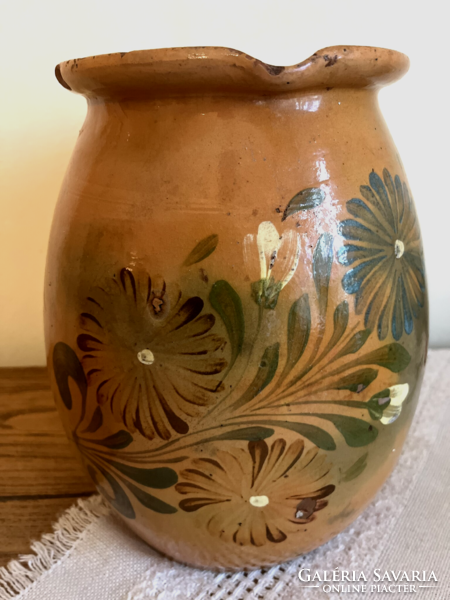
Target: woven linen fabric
92,556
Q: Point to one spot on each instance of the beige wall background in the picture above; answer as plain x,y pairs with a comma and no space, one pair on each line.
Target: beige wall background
40,120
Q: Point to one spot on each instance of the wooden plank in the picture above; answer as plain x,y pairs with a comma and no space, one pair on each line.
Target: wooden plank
22,521
40,475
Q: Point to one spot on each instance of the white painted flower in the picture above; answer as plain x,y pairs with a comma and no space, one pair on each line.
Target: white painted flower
278,257
397,394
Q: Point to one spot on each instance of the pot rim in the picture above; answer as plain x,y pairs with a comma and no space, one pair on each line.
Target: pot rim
210,69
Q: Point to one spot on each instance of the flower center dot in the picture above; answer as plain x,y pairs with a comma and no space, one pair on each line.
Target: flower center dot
399,248
146,357
259,501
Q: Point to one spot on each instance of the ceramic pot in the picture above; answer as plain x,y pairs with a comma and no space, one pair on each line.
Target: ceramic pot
236,312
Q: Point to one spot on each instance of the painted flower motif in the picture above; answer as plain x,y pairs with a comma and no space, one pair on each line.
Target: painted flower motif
150,354
385,252
386,406
278,260
257,495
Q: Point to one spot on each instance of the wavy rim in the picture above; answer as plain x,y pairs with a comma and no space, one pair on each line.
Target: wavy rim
215,69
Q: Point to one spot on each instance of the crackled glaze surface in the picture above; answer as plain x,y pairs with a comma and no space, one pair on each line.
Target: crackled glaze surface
236,310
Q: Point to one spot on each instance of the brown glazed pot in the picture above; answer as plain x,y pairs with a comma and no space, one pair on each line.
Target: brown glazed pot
236,312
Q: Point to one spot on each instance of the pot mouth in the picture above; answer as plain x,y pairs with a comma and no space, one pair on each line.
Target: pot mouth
209,69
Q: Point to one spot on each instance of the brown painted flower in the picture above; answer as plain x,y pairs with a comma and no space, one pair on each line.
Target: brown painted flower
257,495
150,354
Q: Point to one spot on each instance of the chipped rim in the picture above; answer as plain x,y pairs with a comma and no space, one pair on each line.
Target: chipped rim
215,69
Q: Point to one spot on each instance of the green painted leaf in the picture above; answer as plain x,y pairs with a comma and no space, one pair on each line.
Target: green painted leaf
378,403
356,432
321,269
304,200
355,343
265,292
340,322
322,439
356,469
171,461
227,303
357,381
266,371
299,328
392,356
322,263
202,250
120,500
250,434
65,365
149,501
96,421
116,441
159,478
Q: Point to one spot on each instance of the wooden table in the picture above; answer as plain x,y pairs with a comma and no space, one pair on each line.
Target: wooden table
40,476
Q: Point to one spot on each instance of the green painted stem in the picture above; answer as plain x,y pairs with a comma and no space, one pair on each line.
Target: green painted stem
250,353
349,403
315,378
163,450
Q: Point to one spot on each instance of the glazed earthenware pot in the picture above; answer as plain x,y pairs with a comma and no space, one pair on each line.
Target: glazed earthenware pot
236,312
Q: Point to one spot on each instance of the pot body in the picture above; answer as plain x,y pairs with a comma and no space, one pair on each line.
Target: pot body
236,316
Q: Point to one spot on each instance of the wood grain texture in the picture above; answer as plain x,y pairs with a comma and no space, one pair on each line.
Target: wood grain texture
40,475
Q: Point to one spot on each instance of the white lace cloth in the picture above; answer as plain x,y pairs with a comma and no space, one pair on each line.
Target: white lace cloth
92,556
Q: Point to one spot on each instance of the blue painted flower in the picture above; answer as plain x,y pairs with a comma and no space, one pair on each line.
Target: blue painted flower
384,251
